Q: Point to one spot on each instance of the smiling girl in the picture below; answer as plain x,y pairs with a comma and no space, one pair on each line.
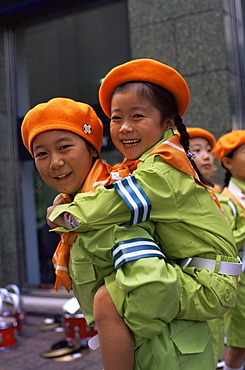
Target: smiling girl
145,99
64,137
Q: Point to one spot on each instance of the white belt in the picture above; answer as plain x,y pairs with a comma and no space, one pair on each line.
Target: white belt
226,268
241,254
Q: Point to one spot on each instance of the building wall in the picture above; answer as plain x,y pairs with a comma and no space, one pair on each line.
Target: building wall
192,36
10,221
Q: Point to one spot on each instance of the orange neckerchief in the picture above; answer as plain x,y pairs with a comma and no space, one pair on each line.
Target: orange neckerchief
172,152
99,175
229,194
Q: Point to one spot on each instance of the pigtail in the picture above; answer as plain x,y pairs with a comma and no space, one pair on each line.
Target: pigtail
184,140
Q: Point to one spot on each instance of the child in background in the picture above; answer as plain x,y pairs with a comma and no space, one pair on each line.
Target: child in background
64,137
202,143
140,113
230,151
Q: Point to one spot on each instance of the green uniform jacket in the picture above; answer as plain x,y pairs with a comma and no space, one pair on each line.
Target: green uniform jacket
146,293
141,286
188,223
235,316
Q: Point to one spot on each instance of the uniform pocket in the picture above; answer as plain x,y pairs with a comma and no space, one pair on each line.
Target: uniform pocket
190,336
82,272
225,287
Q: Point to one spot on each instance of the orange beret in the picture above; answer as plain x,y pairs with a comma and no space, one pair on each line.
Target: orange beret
62,114
200,132
228,142
145,70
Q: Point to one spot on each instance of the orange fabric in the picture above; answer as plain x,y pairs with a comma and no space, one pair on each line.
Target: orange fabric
173,153
126,167
61,261
200,132
228,142
145,70
99,172
217,188
62,114
228,194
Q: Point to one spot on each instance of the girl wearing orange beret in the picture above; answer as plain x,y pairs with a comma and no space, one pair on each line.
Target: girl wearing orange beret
201,144
64,137
145,99
230,151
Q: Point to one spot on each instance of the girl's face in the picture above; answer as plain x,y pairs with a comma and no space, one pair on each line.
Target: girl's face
136,125
204,157
62,159
236,164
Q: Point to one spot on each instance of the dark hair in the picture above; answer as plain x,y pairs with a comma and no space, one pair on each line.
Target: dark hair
228,173
164,101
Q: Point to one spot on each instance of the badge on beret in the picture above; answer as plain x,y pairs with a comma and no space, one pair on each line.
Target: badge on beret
87,128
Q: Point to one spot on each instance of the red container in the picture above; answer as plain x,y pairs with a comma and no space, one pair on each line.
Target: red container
18,315
7,333
76,328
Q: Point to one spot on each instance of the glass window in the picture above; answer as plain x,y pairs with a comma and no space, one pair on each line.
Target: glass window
67,57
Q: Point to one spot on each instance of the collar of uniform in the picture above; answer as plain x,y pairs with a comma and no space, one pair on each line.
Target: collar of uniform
238,192
167,135
239,183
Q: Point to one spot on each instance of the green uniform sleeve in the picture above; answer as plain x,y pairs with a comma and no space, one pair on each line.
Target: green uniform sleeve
235,216
95,210
151,287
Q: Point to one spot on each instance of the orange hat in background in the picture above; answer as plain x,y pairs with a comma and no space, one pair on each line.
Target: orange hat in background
145,70
200,132
62,114
228,142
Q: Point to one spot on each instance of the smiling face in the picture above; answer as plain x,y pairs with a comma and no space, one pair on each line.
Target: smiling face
63,160
204,157
136,125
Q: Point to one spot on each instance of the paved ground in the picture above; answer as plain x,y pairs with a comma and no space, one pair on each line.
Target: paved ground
39,340
35,340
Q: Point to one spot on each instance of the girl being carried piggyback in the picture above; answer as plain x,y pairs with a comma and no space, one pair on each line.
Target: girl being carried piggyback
64,137
145,99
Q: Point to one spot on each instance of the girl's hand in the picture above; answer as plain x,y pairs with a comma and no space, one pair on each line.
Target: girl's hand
59,221
53,224
58,200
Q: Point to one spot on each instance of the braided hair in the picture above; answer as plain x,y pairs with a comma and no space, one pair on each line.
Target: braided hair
164,101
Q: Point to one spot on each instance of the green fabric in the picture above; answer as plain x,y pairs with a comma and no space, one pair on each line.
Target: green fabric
236,316
184,345
237,223
91,262
188,223
217,327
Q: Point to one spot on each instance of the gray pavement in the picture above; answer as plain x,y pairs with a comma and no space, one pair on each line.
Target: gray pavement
35,340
